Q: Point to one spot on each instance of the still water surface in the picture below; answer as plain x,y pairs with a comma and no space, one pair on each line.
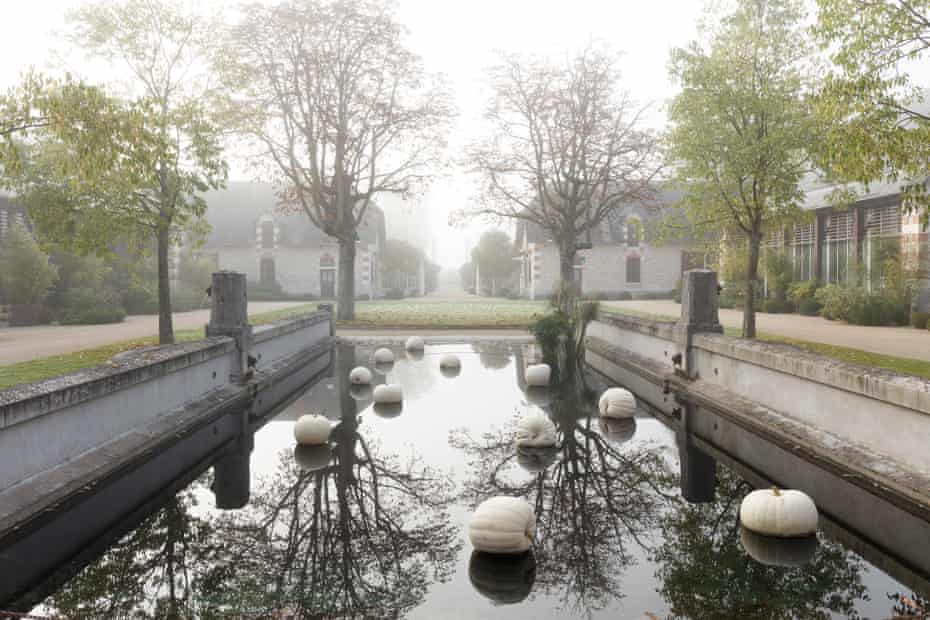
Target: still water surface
375,526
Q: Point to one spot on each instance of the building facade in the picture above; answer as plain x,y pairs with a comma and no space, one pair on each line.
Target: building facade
248,234
624,257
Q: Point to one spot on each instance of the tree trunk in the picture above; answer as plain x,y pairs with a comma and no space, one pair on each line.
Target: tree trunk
752,274
346,293
165,326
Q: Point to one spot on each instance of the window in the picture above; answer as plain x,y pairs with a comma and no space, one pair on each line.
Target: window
633,274
839,246
882,243
802,251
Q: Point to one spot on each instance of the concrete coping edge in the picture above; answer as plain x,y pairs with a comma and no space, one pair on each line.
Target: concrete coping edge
268,331
49,395
649,327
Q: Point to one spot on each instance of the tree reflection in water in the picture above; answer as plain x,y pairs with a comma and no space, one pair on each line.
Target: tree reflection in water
705,573
363,536
591,502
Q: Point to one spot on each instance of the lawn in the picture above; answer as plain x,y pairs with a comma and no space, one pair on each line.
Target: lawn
464,314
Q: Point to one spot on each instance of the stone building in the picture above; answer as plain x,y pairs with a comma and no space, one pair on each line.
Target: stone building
251,236
624,257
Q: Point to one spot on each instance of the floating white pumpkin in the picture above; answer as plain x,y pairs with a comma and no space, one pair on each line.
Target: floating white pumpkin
617,402
450,361
781,513
535,460
414,343
312,430
537,375
384,356
618,430
539,396
535,431
503,579
387,410
388,393
778,551
360,392
360,376
502,525
313,458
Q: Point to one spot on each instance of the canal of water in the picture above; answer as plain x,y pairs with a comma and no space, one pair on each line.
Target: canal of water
375,525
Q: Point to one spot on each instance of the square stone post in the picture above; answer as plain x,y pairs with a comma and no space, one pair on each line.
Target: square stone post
229,317
698,312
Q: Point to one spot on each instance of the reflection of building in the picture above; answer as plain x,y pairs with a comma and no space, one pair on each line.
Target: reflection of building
623,257
251,236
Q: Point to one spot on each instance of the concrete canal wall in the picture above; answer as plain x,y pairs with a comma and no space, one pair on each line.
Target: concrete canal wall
851,437
80,452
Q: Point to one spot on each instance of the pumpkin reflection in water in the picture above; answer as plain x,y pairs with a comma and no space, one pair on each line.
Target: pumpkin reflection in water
593,502
503,579
706,573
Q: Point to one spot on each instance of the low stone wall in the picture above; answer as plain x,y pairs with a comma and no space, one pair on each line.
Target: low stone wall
47,424
881,411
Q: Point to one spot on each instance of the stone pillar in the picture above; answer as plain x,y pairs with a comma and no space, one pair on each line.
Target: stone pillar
698,312
229,316
698,469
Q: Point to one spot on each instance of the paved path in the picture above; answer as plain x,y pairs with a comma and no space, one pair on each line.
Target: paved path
897,341
20,344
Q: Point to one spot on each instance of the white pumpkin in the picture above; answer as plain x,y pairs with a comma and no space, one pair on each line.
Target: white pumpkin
312,430
617,402
414,343
535,431
360,392
503,579
537,375
781,513
360,376
778,551
384,356
618,430
313,458
502,525
450,360
535,460
388,393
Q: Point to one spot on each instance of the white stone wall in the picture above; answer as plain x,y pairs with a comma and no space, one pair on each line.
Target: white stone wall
604,269
297,270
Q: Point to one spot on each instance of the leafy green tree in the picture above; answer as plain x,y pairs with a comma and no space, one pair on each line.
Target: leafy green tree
878,117
339,107
26,276
741,125
163,153
401,256
494,257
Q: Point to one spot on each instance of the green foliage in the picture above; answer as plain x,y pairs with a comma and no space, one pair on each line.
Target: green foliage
741,124
855,305
809,307
401,256
549,331
777,306
394,293
196,272
90,306
26,276
872,106
187,299
494,254
141,298
779,271
800,291
919,319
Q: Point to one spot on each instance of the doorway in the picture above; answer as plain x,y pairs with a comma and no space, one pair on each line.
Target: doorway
327,283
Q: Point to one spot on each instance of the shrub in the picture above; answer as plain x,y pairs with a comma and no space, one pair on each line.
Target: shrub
26,276
919,319
799,291
185,299
729,299
88,306
856,306
928,324
140,299
777,306
809,307
261,291
394,293
779,271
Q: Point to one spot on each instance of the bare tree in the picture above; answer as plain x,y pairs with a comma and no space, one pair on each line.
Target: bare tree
564,147
334,99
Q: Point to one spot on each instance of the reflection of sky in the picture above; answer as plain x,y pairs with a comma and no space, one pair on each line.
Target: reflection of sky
484,398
